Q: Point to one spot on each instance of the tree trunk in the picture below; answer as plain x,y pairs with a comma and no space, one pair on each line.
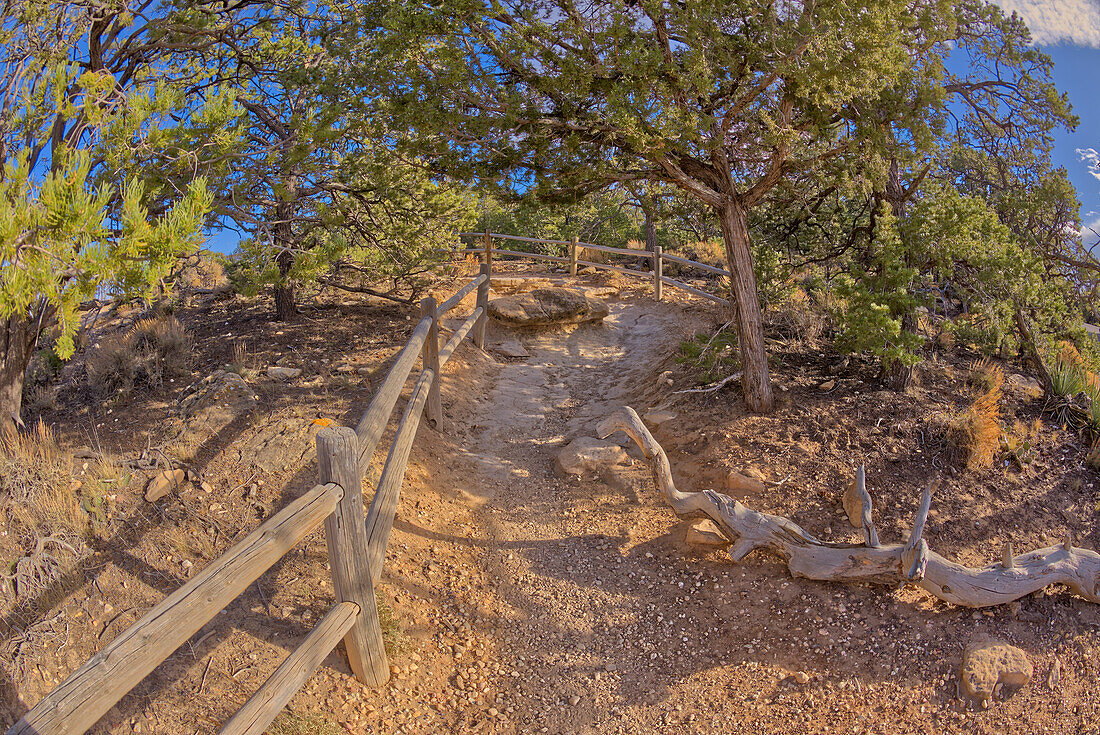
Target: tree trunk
16,343
285,308
899,376
756,386
1030,350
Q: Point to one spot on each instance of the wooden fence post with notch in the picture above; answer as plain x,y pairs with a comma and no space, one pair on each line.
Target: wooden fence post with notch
430,358
658,271
573,257
488,247
346,538
483,302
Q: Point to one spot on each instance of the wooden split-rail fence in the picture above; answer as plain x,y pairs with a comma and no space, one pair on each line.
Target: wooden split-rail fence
574,248
356,549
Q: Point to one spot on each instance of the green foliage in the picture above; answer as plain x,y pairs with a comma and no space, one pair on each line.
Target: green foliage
712,356
875,296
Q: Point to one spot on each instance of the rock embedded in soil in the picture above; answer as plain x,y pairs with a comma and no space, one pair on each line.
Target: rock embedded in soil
164,483
512,348
590,454
743,484
988,662
655,417
546,307
276,372
705,533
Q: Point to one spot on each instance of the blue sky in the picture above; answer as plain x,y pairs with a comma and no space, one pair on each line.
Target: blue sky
1069,31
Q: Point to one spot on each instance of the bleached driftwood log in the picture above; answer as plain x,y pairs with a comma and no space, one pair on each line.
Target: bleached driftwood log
896,564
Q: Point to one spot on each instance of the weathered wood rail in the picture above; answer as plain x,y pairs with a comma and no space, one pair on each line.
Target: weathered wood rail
356,551
657,257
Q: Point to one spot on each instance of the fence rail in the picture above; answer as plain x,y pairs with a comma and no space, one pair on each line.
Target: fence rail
657,256
356,547
356,539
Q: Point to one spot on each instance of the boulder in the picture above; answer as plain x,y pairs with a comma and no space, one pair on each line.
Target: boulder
222,388
705,533
589,454
988,662
545,307
164,483
276,372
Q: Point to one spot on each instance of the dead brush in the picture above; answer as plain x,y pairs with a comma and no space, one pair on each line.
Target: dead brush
985,375
975,434
1092,459
153,352
43,510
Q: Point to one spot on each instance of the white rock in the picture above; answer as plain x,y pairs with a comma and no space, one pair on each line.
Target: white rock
283,373
588,453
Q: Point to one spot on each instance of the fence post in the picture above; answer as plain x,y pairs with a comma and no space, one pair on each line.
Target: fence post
483,302
488,247
573,257
430,359
346,538
658,271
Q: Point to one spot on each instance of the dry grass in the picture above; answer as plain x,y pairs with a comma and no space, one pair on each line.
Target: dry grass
976,432
152,353
288,723
54,504
37,477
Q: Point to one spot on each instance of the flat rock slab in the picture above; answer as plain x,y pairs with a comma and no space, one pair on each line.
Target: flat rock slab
988,662
590,454
544,307
512,348
283,373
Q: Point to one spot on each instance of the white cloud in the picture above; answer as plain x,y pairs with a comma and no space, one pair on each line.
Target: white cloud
1075,22
1090,230
1091,157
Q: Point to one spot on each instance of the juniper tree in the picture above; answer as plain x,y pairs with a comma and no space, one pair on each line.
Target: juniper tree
78,86
721,99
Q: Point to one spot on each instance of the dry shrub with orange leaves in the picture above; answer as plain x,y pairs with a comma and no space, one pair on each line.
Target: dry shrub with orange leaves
976,432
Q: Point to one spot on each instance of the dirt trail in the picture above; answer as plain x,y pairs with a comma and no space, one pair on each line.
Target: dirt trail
555,556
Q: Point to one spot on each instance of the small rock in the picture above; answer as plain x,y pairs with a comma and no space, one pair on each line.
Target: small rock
574,700
588,453
827,386
1055,675
276,372
988,662
512,348
655,417
705,533
755,474
743,484
164,483
802,677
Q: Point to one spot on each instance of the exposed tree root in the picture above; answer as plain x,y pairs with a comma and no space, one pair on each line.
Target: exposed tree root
896,564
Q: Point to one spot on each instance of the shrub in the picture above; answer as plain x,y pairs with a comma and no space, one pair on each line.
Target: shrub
713,356
1020,442
976,432
151,353
1067,372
